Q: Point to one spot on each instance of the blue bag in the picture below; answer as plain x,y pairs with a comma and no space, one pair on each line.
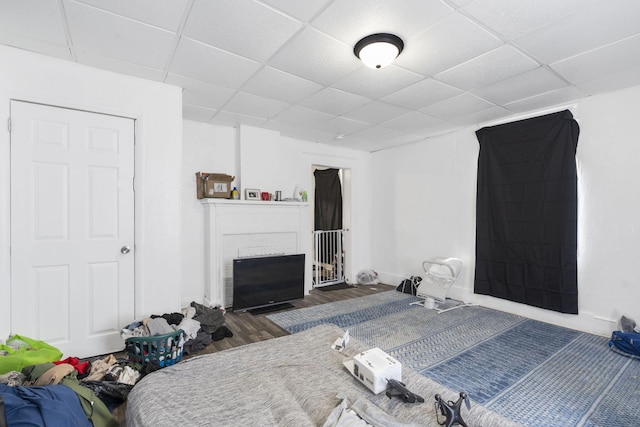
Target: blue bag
626,343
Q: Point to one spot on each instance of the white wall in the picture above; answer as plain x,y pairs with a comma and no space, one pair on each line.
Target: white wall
157,110
265,160
428,209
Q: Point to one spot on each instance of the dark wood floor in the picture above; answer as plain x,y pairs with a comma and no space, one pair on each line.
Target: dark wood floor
248,328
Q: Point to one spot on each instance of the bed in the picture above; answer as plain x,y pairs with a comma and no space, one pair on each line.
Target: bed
296,380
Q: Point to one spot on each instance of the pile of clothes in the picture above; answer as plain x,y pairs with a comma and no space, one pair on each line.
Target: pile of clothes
201,326
67,392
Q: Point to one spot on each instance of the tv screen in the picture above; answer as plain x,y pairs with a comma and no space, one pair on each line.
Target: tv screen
265,281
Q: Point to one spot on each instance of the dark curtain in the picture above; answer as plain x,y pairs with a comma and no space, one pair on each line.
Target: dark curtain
526,212
328,200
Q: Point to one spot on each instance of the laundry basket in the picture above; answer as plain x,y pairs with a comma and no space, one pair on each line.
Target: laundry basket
164,349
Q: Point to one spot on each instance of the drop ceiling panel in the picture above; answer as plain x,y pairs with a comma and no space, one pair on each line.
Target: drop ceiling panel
450,42
342,125
376,112
303,10
33,20
253,105
515,18
276,84
112,36
124,67
556,97
598,63
165,14
618,80
375,84
317,57
421,94
412,122
197,113
219,23
301,116
589,29
196,92
461,105
202,62
225,118
499,64
521,86
334,101
351,20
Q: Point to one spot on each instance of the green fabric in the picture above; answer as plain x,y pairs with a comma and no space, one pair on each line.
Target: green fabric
93,407
37,352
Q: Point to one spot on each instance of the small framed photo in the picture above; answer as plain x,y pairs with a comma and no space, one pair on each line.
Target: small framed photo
251,194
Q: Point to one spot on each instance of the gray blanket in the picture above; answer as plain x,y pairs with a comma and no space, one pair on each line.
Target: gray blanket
294,381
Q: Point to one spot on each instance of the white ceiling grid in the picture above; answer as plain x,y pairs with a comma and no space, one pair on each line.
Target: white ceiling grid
288,65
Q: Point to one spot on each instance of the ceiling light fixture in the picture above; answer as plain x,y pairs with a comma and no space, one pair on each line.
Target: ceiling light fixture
378,50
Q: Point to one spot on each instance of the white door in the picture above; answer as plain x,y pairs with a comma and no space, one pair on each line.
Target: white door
72,234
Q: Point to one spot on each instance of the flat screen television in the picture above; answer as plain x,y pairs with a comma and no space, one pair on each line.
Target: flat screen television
267,281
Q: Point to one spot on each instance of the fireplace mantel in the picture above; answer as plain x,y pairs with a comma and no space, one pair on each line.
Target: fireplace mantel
247,228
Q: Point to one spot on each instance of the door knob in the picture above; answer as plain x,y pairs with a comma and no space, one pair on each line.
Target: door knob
125,249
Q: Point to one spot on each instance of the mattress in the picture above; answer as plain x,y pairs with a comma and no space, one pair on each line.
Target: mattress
296,380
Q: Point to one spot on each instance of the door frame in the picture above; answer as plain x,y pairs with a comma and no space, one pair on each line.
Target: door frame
345,175
5,196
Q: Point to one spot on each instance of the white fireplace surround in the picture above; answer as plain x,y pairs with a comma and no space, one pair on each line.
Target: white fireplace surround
241,229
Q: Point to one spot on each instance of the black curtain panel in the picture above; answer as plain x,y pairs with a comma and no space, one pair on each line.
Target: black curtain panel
527,212
328,200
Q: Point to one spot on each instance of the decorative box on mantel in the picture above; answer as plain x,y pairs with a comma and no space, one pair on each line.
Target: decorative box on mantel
243,228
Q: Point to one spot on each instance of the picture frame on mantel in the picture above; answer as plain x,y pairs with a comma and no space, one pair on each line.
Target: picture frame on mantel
251,194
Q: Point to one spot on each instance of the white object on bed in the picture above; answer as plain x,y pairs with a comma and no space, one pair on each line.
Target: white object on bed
374,368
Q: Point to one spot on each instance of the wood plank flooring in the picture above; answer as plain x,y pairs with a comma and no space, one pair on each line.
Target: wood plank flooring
248,328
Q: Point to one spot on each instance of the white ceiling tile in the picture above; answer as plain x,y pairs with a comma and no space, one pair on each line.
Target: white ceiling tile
376,83
303,10
334,101
461,105
450,42
375,112
412,122
342,125
253,105
482,116
600,62
276,84
313,135
302,117
113,36
33,19
521,86
515,18
226,118
553,98
442,128
202,62
35,45
219,23
165,14
616,81
283,128
316,57
588,29
197,113
351,20
491,67
122,67
376,133
421,94
200,93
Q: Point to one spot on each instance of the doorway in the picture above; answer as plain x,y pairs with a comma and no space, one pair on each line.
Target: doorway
330,226
72,227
